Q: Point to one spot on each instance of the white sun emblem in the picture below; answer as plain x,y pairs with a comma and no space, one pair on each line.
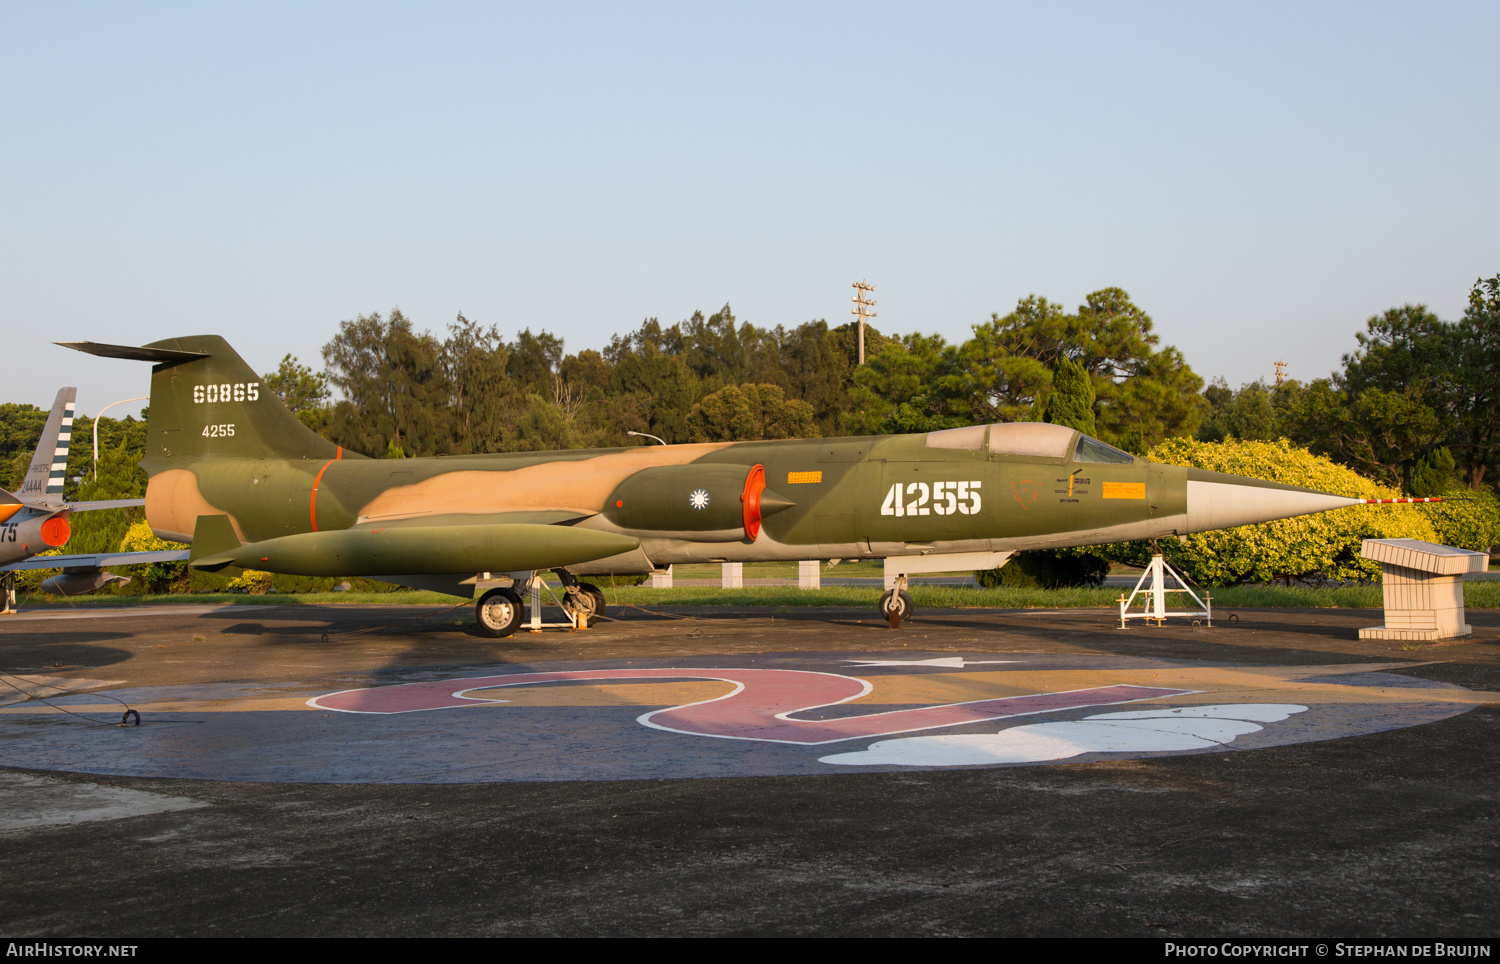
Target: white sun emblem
698,499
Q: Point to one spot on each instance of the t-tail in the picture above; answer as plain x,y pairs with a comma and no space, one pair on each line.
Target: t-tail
206,402
43,484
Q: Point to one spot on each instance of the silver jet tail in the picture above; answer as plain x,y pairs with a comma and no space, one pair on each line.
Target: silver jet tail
43,484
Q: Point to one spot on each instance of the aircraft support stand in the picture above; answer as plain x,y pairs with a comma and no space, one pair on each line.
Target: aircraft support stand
8,587
1154,603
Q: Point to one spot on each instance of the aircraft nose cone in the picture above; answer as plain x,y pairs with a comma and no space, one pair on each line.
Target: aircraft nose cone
1216,500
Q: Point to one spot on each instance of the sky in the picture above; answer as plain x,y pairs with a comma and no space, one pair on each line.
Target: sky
1261,178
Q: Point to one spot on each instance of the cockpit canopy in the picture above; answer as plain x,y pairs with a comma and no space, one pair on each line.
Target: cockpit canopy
1028,439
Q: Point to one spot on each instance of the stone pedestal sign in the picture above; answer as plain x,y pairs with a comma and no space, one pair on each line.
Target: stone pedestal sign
1424,590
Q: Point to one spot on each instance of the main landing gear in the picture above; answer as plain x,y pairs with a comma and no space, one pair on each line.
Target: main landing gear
500,612
584,601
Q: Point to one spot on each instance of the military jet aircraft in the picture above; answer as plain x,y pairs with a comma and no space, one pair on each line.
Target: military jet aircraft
35,519
235,473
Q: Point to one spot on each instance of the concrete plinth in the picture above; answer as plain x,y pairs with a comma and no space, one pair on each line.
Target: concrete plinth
1423,588
733,575
809,574
662,579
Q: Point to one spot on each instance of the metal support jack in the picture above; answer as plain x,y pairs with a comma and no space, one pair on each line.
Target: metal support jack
8,588
536,625
1154,604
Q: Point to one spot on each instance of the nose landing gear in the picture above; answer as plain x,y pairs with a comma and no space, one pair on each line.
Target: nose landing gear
896,604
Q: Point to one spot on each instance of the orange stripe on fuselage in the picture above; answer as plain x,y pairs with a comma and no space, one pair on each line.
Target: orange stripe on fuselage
312,503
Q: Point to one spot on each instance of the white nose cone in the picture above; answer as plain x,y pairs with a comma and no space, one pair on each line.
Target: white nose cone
1221,505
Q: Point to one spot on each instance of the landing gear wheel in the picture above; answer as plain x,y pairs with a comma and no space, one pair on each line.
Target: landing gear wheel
589,589
499,612
583,602
898,601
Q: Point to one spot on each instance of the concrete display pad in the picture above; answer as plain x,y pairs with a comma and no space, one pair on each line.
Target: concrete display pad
806,771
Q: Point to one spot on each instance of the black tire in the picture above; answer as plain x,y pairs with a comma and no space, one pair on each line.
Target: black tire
582,601
901,602
597,593
499,612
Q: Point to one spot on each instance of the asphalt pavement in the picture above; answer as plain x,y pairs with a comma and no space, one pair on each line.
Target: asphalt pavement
384,771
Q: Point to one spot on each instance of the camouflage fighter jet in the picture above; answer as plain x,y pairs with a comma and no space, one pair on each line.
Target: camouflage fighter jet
235,473
35,519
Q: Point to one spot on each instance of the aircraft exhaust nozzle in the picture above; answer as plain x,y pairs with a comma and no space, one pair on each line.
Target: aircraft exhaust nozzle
1216,500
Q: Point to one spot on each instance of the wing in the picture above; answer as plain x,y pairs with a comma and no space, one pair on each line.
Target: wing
98,560
102,504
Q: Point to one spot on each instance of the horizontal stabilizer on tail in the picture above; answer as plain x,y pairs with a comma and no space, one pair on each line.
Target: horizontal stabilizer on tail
214,536
161,356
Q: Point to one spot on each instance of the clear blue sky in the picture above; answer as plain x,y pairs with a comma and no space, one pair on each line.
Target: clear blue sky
1261,178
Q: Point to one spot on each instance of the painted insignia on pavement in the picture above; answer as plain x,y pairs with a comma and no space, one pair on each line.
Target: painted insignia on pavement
748,715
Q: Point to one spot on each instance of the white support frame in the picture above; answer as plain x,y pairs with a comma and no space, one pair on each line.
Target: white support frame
1155,604
535,604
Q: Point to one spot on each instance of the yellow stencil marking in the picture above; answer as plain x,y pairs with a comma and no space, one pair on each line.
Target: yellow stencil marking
795,478
1124,490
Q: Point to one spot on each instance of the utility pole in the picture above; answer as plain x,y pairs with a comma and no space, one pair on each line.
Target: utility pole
862,306
1280,373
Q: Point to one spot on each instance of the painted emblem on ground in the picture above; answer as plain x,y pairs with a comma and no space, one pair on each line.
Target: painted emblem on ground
757,715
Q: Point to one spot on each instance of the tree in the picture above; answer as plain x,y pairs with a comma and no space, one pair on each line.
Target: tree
1476,356
301,390
1071,401
913,385
1390,405
394,387
1140,390
119,477
750,412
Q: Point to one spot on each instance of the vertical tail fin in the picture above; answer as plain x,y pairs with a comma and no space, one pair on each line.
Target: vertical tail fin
206,402
49,466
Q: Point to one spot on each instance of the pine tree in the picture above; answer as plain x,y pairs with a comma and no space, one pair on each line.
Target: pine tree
1072,400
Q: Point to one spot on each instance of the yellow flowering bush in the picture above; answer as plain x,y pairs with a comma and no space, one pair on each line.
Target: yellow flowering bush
1471,524
158,576
1319,547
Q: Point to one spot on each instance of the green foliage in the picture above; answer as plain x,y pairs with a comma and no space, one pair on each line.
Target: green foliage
303,391
1433,474
1141,390
102,530
1471,524
1475,359
1317,547
750,412
1071,401
157,577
